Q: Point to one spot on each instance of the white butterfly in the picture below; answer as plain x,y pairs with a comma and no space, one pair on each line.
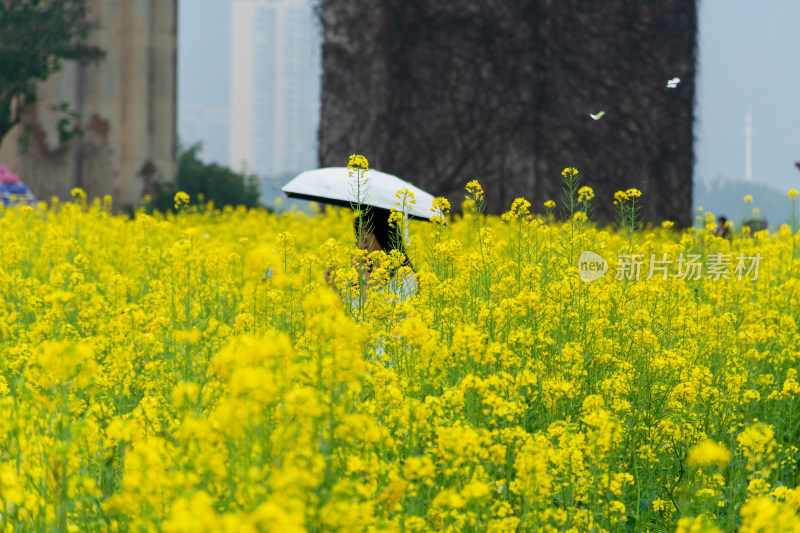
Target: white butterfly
598,116
671,84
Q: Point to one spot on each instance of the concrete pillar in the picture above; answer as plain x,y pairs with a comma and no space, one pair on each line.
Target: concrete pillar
126,107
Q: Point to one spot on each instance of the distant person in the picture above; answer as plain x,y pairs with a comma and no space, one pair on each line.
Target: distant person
12,190
723,229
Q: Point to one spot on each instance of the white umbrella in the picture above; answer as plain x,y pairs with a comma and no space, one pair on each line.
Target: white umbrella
333,185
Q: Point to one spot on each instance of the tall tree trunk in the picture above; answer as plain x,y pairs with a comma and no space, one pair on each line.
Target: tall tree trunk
440,93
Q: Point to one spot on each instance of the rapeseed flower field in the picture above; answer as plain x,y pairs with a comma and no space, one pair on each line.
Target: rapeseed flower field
194,372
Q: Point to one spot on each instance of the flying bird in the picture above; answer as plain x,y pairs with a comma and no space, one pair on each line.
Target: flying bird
598,116
671,84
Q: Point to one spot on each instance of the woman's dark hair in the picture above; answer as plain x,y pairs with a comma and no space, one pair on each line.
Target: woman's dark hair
376,221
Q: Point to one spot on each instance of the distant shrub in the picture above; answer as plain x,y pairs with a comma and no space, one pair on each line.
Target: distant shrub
206,182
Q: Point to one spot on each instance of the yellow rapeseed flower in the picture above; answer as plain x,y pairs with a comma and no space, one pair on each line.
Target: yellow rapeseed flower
441,204
358,162
440,210
763,514
395,218
405,199
792,193
585,193
474,190
519,209
181,199
569,171
707,453
242,370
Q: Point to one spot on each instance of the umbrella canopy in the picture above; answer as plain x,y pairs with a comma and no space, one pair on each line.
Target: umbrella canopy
333,185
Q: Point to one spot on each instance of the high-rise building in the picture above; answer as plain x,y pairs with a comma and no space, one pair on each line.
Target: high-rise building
275,86
208,125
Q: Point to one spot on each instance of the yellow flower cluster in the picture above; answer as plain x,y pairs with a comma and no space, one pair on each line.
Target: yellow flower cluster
78,194
440,210
520,210
622,196
358,162
396,218
405,200
197,372
181,199
569,172
585,193
474,191
707,453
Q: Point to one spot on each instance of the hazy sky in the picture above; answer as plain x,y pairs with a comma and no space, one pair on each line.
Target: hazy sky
204,34
749,58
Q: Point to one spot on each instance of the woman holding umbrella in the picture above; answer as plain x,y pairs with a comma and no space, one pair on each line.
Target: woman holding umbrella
379,231
374,195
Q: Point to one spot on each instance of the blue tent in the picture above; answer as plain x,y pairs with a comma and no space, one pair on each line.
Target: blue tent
16,194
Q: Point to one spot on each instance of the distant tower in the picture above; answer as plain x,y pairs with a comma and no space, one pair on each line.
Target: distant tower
275,83
748,147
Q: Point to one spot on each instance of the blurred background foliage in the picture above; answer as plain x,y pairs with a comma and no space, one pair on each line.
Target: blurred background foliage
36,37
205,182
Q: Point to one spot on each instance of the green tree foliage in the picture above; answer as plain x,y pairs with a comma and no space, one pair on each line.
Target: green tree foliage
35,37
207,181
